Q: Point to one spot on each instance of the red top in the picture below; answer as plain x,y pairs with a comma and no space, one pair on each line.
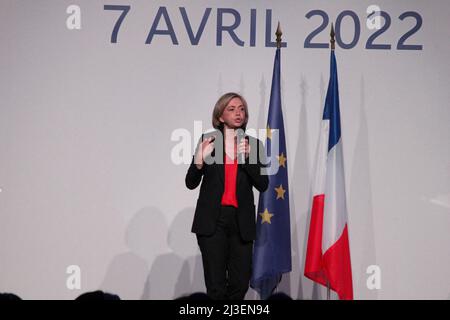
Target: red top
229,195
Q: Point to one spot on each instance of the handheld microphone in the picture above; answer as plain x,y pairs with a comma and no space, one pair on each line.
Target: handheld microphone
240,138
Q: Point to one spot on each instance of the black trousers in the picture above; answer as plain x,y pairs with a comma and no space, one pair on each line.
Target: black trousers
227,259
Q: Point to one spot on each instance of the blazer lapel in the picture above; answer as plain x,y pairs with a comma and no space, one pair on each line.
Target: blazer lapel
221,172
220,165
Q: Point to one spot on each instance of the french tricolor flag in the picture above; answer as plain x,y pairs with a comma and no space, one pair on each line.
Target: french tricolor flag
328,252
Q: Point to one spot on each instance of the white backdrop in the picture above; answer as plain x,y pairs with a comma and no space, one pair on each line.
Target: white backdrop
86,173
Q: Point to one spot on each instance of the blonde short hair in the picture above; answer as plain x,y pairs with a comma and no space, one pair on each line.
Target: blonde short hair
220,106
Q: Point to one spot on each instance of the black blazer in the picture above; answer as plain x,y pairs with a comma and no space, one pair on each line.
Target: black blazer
212,188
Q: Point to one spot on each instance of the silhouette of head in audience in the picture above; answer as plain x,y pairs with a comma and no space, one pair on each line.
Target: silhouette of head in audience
97,295
6,296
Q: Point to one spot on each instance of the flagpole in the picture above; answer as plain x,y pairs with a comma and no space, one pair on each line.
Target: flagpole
332,46
278,33
328,290
272,248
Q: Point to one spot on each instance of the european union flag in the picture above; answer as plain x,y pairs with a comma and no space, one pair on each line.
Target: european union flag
272,250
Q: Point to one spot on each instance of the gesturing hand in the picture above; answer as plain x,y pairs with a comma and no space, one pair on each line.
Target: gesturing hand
204,150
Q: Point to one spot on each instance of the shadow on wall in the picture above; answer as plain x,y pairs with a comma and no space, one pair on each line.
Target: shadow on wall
300,193
360,206
161,262
145,239
179,271
301,188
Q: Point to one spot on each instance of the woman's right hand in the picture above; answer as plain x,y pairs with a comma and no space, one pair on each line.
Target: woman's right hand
204,150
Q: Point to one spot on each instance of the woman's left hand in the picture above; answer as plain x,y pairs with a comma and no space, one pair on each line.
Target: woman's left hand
244,147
